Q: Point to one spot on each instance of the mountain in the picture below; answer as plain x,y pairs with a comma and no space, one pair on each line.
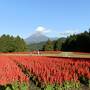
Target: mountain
37,38
39,46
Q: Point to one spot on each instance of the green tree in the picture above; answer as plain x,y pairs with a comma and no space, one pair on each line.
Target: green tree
20,44
79,42
58,44
12,44
48,46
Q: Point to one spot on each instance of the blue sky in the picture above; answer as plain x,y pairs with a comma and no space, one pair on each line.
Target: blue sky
52,17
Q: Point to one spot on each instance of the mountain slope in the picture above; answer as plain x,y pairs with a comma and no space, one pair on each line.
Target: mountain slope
37,38
39,46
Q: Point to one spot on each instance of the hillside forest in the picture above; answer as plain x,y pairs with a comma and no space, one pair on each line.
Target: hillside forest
76,42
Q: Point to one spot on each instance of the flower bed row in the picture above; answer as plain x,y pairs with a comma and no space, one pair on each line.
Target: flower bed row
51,70
48,71
10,75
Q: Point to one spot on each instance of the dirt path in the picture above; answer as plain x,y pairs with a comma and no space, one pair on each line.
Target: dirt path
61,54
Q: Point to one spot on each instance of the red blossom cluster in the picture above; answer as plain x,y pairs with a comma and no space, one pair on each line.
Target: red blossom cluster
47,69
55,69
9,71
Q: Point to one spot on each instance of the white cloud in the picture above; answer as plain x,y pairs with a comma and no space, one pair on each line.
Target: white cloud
41,29
76,31
70,32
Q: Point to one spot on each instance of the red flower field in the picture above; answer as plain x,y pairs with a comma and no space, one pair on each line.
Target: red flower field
9,71
51,69
46,70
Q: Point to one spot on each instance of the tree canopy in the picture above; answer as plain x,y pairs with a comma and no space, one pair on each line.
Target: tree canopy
48,46
76,42
79,42
12,44
53,45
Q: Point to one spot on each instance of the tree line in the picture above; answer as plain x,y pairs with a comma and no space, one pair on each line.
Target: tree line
79,42
53,45
12,44
76,42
